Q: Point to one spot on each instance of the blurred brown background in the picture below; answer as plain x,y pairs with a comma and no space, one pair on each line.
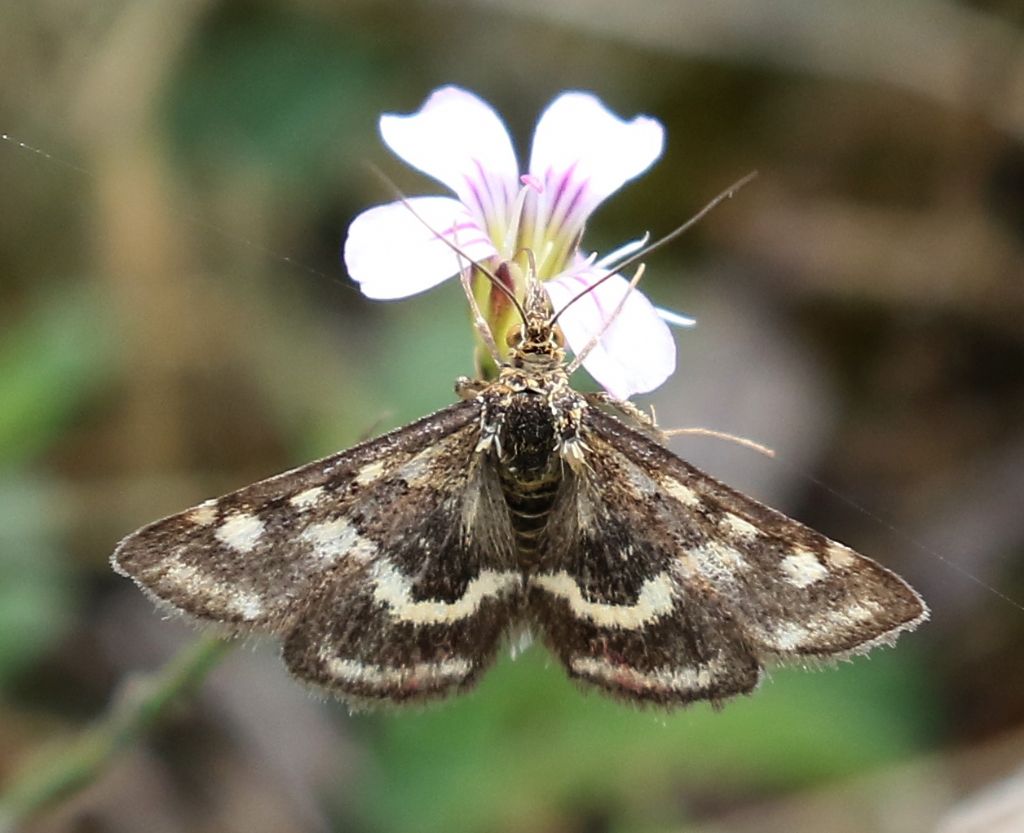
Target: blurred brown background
176,322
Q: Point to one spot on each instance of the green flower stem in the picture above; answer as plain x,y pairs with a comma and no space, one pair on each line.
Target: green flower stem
139,706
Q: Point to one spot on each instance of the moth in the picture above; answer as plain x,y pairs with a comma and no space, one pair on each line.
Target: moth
394,571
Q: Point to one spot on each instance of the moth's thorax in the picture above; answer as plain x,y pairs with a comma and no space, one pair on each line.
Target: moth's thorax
527,437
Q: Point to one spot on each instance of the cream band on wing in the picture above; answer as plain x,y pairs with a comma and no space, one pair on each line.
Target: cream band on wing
420,675
692,679
655,599
395,590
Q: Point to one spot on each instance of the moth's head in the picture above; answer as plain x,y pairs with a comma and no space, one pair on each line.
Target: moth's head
536,339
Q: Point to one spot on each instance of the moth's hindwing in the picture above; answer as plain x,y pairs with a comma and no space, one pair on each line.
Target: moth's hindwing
387,569
661,584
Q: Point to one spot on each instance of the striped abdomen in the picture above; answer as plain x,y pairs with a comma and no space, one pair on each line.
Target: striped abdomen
529,504
530,467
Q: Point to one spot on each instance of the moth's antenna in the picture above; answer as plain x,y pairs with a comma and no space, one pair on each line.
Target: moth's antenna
495,281
578,359
479,321
663,241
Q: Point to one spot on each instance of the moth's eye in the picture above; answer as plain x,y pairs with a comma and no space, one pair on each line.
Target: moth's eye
514,335
558,336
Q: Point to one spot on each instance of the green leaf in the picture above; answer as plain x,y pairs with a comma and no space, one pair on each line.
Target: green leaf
50,363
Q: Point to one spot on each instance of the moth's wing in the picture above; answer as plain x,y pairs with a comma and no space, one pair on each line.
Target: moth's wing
245,558
662,584
369,561
422,614
612,604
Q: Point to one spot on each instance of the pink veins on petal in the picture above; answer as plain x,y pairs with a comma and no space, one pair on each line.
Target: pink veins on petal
585,152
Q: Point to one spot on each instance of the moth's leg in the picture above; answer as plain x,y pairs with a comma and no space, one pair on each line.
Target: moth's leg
467,388
627,409
720,435
623,406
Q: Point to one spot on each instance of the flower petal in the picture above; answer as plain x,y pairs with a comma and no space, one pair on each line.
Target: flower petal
675,319
583,152
637,352
626,250
461,141
391,254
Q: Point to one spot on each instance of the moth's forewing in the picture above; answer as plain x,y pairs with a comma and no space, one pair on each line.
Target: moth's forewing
662,584
368,562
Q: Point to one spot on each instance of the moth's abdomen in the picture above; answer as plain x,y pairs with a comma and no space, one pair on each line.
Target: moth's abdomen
530,467
529,506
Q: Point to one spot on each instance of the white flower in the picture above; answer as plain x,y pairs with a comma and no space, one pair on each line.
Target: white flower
581,154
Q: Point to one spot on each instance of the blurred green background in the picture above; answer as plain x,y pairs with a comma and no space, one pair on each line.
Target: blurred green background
176,322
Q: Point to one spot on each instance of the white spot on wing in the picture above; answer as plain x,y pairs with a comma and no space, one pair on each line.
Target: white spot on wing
204,514
739,527
839,556
802,568
240,531
684,494
369,473
307,498
395,590
335,539
655,599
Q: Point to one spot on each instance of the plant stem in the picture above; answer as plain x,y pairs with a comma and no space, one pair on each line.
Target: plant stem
136,708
